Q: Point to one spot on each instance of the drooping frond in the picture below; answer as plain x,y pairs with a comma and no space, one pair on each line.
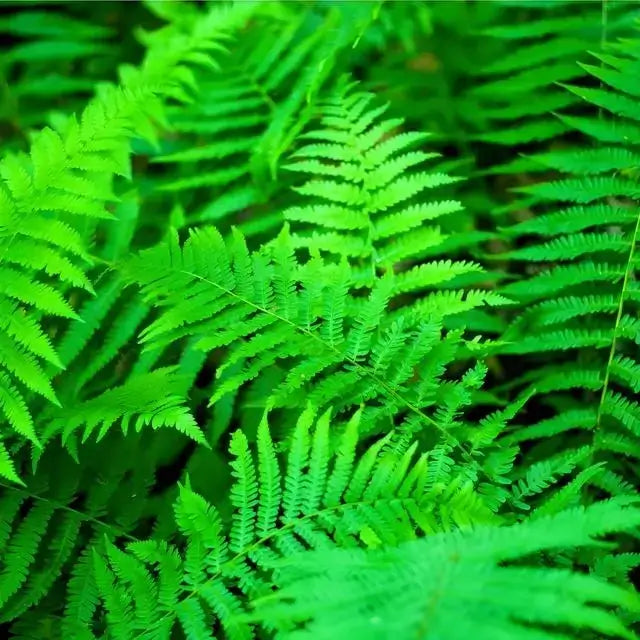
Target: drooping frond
50,200
145,399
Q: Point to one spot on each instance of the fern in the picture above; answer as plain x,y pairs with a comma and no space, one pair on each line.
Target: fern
250,111
51,525
266,309
150,398
240,276
599,241
67,174
411,590
328,496
361,206
532,62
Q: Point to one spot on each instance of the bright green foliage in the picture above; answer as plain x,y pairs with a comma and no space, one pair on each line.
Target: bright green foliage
321,497
585,240
52,197
269,311
412,590
533,63
319,320
251,110
365,185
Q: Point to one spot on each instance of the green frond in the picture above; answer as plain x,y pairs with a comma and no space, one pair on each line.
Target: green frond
583,190
626,370
625,411
412,589
588,223
572,220
374,187
543,474
82,596
589,161
267,309
617,566
297,460
559,423
52,196
326,499
552,281
563,309
15,409
146,399
244,493
569,247
269,481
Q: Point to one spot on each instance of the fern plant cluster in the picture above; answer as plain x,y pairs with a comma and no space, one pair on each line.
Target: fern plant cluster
319,320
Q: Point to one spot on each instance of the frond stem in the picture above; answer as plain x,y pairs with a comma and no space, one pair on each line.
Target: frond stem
63,507
354,363
612,350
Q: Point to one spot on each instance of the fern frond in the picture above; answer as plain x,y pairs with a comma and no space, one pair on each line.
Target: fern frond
149,398
366,207
525,60
597,237
328,498
411,590
67,176
267,309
